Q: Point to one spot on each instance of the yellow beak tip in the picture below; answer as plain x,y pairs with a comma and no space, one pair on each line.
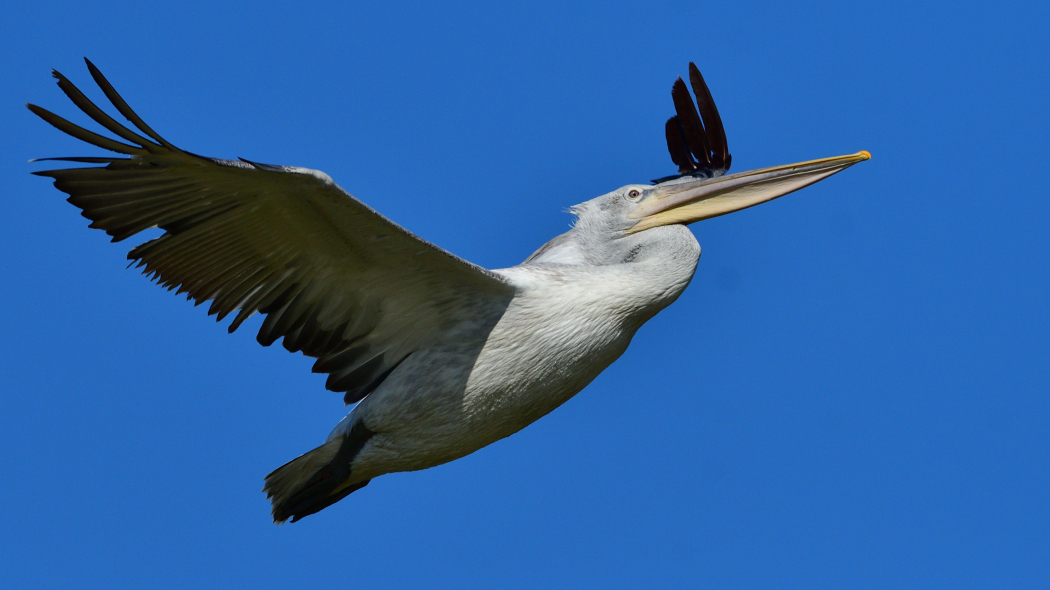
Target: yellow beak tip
865,154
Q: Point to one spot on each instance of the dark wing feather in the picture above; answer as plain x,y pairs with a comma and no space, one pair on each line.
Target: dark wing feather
676,146
122,107
100,117
694,133
335,279
716,134
692,128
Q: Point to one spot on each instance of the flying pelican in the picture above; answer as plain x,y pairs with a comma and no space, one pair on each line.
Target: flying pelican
440,356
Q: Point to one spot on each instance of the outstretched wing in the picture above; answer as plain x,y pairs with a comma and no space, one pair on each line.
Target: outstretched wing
337,280
696,140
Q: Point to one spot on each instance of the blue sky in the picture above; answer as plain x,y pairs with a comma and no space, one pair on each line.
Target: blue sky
853,392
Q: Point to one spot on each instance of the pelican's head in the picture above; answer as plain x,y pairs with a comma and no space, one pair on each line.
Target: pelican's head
616,226
686,199
610,228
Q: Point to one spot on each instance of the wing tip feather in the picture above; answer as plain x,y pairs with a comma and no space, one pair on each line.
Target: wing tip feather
702,134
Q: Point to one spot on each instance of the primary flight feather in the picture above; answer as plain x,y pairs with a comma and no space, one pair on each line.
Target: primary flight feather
441,356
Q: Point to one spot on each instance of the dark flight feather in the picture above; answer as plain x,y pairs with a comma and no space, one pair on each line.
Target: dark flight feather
716,134
83,134
100,117
122,107
676,145
695,136
692,127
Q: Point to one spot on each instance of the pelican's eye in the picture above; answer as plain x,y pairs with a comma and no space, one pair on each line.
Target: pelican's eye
633,194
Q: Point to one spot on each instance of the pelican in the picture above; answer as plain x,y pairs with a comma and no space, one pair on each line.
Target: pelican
438,356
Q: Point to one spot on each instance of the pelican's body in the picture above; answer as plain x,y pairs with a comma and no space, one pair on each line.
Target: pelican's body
567,322
442,357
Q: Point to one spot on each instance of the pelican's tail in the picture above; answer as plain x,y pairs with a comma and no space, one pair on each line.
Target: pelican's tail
316,480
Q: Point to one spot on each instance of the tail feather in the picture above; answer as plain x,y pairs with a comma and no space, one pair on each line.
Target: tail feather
283,482
317,479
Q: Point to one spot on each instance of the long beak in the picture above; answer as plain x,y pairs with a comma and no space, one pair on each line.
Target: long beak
686,202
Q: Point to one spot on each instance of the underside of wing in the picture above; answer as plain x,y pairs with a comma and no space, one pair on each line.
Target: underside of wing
335,279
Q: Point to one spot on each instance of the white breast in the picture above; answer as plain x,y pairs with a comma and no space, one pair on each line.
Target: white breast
566,324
